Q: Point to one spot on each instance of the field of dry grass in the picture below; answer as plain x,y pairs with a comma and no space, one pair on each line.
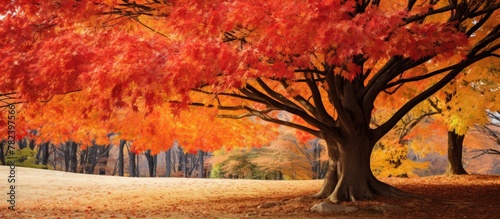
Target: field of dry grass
54,194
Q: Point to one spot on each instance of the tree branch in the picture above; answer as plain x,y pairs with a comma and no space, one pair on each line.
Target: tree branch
263,115
384,128
334,83
431,12
318,101
420,77
270,101
279,97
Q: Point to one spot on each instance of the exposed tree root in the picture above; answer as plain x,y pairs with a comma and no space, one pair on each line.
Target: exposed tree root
356,190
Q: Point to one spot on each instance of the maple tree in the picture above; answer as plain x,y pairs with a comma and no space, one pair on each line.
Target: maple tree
324,62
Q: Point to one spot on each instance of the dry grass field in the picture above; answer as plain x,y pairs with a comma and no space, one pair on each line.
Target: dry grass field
54,194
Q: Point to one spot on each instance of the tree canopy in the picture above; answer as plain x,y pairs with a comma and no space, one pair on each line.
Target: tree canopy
327,63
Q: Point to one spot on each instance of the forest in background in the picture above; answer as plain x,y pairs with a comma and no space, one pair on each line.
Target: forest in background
283,159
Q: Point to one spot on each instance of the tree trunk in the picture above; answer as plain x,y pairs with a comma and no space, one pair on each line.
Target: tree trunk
121,163
349,177
83,160
66,147
200,158
55,157
455,147
73,156
105,155
168,163
184,164
193,163
181,159
151,159
131,164
32,144
45,153
137,166
155,164
22,143
38,152
2,151
91,159
42,154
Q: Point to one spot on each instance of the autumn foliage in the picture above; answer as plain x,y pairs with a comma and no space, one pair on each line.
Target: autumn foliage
158,71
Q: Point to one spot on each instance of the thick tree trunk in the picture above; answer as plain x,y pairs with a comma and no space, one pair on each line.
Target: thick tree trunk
349,177
455,147
121,163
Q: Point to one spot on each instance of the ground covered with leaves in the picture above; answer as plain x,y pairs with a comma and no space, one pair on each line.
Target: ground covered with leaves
53,194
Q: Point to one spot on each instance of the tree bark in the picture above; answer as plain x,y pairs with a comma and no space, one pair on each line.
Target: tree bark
38,153
455,147
200,158
168,163
55,157
43,154
155,163
180,154
184,165
83,160
22,143
73,148
105,155
31,144
65,148
46,153
92,153
349,176
151,159
2,151
121,163
137,166
131,164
